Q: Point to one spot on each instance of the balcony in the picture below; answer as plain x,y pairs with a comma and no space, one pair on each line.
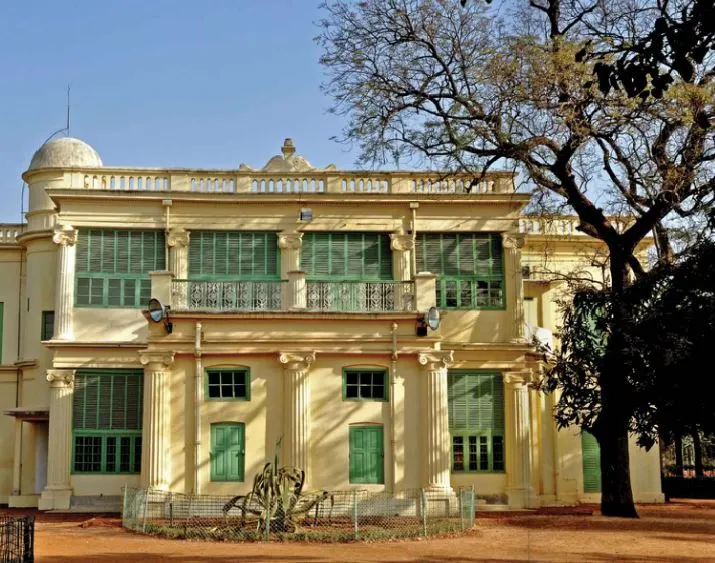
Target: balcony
295,294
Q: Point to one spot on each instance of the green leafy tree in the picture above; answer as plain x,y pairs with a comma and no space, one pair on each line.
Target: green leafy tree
470,87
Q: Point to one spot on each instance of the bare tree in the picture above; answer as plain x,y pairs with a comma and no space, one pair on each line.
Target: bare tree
480,86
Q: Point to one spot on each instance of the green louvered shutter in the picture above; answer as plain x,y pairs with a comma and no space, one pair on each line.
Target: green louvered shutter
469,268
591,463
112,266
476,420
107,420
238,255
346,256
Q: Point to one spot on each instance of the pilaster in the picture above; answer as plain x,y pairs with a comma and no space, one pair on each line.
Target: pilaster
437,443
512,245
65,237
296,407
58,492
156,468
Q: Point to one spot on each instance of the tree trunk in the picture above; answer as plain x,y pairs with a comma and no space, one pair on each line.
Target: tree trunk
697,446
616,493
678,456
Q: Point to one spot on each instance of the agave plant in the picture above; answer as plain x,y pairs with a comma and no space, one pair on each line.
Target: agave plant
277,499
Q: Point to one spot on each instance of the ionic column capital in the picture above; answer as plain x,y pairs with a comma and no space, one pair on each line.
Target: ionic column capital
401,242
298,361
178,237
61,377
290,240
65,235
521,377
436,360
157,360
511,241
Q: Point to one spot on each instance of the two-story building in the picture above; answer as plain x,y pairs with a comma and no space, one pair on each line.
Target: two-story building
292,316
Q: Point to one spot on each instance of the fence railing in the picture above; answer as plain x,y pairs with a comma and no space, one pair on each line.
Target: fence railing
332,516
317,296
17,539
360,296
225,296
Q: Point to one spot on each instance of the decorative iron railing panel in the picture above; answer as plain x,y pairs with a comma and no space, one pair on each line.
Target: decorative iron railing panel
360,296
227,296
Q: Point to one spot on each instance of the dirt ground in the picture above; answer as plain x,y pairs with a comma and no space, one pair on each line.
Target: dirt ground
678,531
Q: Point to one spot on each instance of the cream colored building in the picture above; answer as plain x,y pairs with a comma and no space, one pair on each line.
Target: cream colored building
296,302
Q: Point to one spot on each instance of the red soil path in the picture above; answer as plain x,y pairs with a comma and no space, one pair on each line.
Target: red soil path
679,531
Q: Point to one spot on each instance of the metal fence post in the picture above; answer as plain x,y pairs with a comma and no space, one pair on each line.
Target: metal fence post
423,502
473,506
355,514
460,506
146,509
124,506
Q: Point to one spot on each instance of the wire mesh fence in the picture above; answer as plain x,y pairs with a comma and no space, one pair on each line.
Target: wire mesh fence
320,516
17,539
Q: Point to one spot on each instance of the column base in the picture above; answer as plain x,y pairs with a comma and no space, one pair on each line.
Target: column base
522,498
55,499
22,501
441,500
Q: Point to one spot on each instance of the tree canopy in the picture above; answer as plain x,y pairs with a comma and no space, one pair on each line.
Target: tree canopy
532,85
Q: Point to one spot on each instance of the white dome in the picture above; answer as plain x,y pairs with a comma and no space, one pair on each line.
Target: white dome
65,152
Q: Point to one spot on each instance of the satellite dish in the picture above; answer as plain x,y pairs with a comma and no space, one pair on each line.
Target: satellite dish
432,318
159,313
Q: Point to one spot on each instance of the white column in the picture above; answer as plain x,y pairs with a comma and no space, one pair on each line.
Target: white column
58,492
519,460
436,430
296,408
66,237
156,433
513,292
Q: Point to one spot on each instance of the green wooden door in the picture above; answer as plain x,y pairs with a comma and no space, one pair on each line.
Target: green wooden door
591,463
227,451
367,454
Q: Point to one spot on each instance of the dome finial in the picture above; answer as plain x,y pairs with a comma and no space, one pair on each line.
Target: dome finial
288,148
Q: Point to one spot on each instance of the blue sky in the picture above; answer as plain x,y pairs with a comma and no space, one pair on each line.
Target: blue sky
163,83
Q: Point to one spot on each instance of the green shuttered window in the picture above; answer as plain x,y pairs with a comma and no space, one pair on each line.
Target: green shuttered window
367,456
476,420
469,268
591,463
107,421
113,265
228,451
234,255
346,256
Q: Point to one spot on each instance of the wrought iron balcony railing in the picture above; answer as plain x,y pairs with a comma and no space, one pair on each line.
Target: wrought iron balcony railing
360,296
227,295
272,295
